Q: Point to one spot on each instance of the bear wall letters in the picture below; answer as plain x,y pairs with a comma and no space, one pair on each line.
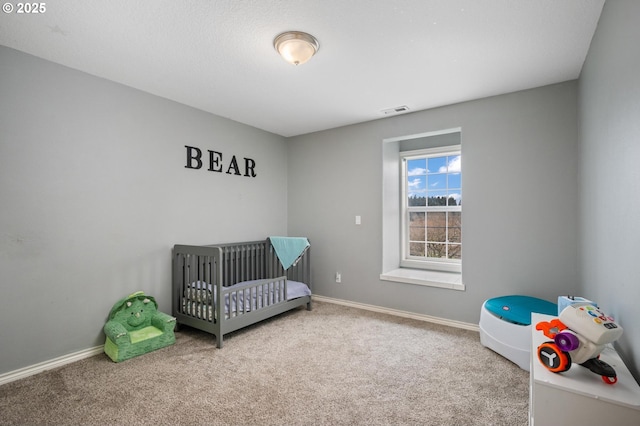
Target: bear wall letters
194,161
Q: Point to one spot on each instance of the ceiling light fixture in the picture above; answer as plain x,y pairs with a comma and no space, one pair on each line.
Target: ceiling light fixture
296,47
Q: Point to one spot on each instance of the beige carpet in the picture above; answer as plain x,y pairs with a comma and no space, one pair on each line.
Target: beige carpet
332,366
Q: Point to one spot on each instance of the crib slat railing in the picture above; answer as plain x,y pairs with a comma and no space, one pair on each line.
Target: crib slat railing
252,297
242,262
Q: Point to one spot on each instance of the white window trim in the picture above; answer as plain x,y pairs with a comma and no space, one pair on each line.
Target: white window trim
444,265
391,184
449,280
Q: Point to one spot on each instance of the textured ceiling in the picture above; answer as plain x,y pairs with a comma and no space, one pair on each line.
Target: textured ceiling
374,55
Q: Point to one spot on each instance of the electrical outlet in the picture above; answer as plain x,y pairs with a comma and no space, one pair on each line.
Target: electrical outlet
338,277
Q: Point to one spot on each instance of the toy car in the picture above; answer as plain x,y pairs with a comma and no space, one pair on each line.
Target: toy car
579,335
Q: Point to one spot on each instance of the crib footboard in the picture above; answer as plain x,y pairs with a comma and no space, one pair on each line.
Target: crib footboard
222,288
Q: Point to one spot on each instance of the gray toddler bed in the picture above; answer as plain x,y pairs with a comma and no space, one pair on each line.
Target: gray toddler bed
223,288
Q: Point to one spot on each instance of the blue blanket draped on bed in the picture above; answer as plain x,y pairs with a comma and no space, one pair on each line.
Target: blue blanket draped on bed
289,249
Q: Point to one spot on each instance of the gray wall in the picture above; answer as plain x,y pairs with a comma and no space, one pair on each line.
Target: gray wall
520,210
610,149
94,193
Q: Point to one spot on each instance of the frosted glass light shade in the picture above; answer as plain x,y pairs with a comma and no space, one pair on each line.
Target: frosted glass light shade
296,47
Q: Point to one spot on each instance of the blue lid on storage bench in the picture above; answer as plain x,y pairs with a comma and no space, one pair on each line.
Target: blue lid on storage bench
517,309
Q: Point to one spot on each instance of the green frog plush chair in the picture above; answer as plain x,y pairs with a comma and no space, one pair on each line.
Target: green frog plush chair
135,327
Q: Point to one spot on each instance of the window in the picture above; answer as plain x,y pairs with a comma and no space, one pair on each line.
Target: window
431,209
421,223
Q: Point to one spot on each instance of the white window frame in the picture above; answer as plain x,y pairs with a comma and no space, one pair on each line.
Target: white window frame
407,261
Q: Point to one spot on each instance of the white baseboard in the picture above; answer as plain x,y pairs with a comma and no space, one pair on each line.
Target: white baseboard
403,314
48,365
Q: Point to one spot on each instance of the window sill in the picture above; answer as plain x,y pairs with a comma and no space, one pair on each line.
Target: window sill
439,279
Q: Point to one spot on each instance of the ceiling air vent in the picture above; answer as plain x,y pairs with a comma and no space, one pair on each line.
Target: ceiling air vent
396,110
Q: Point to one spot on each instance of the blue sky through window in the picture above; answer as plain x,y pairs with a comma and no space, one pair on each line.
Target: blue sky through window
435,177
